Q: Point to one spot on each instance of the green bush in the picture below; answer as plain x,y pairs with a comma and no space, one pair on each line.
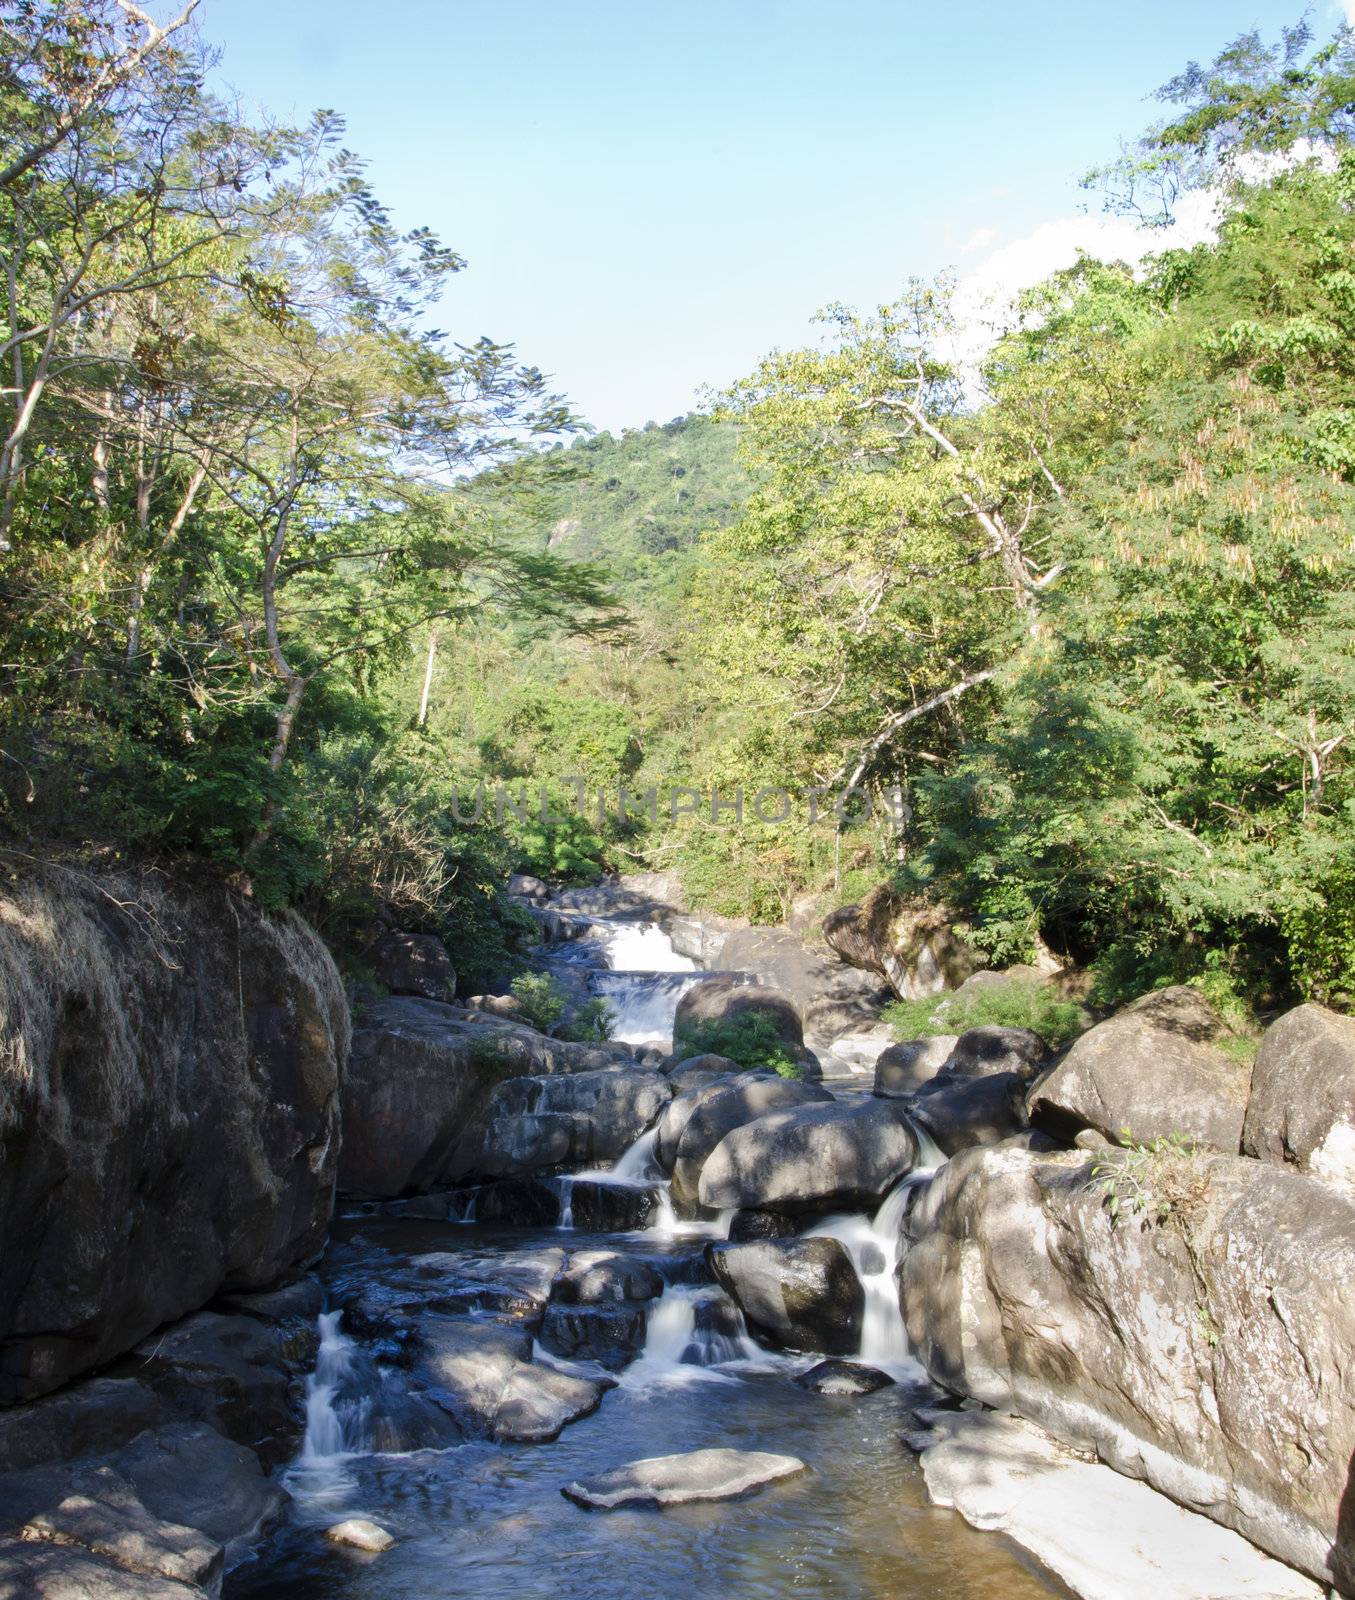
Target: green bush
1015,1003
749,1039
541,997
592,1023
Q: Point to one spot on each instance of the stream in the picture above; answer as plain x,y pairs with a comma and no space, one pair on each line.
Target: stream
482,1519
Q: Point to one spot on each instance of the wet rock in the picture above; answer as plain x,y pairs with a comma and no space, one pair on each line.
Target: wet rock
960,1112
414,964
593,1276
753,1224
845,1155
543,1124
1207,1353
1104,1535
97,1510
302,1301
699,1475
726,1107
519,1202
613,1207
797,1294
481,1374
357,1533
844,1378
90,1418
1151,1069
242,1376
174,1132
31,1571
1301,1111
610,1334
902,1069
691,1089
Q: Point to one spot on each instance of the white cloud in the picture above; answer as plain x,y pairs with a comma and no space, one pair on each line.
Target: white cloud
981,238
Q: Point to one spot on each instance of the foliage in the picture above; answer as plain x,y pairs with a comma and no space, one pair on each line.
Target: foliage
1014,1003
542,999
592,1022
749,1038
1156,1182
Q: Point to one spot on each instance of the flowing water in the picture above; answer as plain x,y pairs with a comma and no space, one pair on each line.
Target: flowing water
483,1520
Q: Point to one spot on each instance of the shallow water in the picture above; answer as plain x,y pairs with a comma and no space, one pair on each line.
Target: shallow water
481,1521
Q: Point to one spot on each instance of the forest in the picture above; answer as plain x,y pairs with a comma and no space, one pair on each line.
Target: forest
287,573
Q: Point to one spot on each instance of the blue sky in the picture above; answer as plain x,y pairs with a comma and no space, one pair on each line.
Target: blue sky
651,196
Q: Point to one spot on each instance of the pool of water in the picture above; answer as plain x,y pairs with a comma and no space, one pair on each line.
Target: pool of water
484,1521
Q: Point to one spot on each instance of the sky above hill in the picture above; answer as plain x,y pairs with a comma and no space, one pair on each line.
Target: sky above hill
650,197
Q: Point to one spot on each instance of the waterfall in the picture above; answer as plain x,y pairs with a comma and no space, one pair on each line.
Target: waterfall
565,1189
874,1246
642,947
334,1429
637,1164
645,1003
690,1333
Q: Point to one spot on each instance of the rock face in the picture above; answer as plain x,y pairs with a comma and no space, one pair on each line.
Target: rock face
832,999
1152,1069
415,964
798,1294
1302,1107
902,1069
548,1123
418,1074
679,1480
169,1070
1105,1535
846,1155
912,946
960,1112
716,1113
1208,1353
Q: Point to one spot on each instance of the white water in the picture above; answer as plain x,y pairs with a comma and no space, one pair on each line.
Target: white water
645,1003
874,1244
682,1346
642,947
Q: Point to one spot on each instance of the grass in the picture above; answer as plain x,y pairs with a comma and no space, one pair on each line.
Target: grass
1016,1003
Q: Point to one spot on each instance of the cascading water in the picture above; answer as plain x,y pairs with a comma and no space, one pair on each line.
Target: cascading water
874,1246
642,947
690,1334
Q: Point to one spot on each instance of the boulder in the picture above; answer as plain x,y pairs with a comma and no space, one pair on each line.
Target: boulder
611,1335
987,1051
910,944
174,1129
524,887
1199,1338
698,1475
831,998
545,1124
601,1207
845,1155
716,1112
594,1276
725,998
959,1111
413,963
692,1090
419,1073
89,1418
1301,1111
902,1069
482,1375
518,1202
242,1376
30,1571
843,1378
1150,1069
753,1224
797,1294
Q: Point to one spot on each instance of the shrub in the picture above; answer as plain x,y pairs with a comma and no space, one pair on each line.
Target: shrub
1015,1003
749,1039
592,1023
541,998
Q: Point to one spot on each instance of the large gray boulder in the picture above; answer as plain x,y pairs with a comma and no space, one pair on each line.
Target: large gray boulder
902,1069
847,1154
697,1476
546,1124
831,998
910,944
1152,1069
691,1093
726,998
419,1072
169,1117
1199,1338
960,1111
797,1294
986,1051
1301,1111
413,964
725,1107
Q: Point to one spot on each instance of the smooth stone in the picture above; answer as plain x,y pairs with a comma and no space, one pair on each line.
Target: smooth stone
844,1377
360,1534
1108,1537
696,1475
36,1571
